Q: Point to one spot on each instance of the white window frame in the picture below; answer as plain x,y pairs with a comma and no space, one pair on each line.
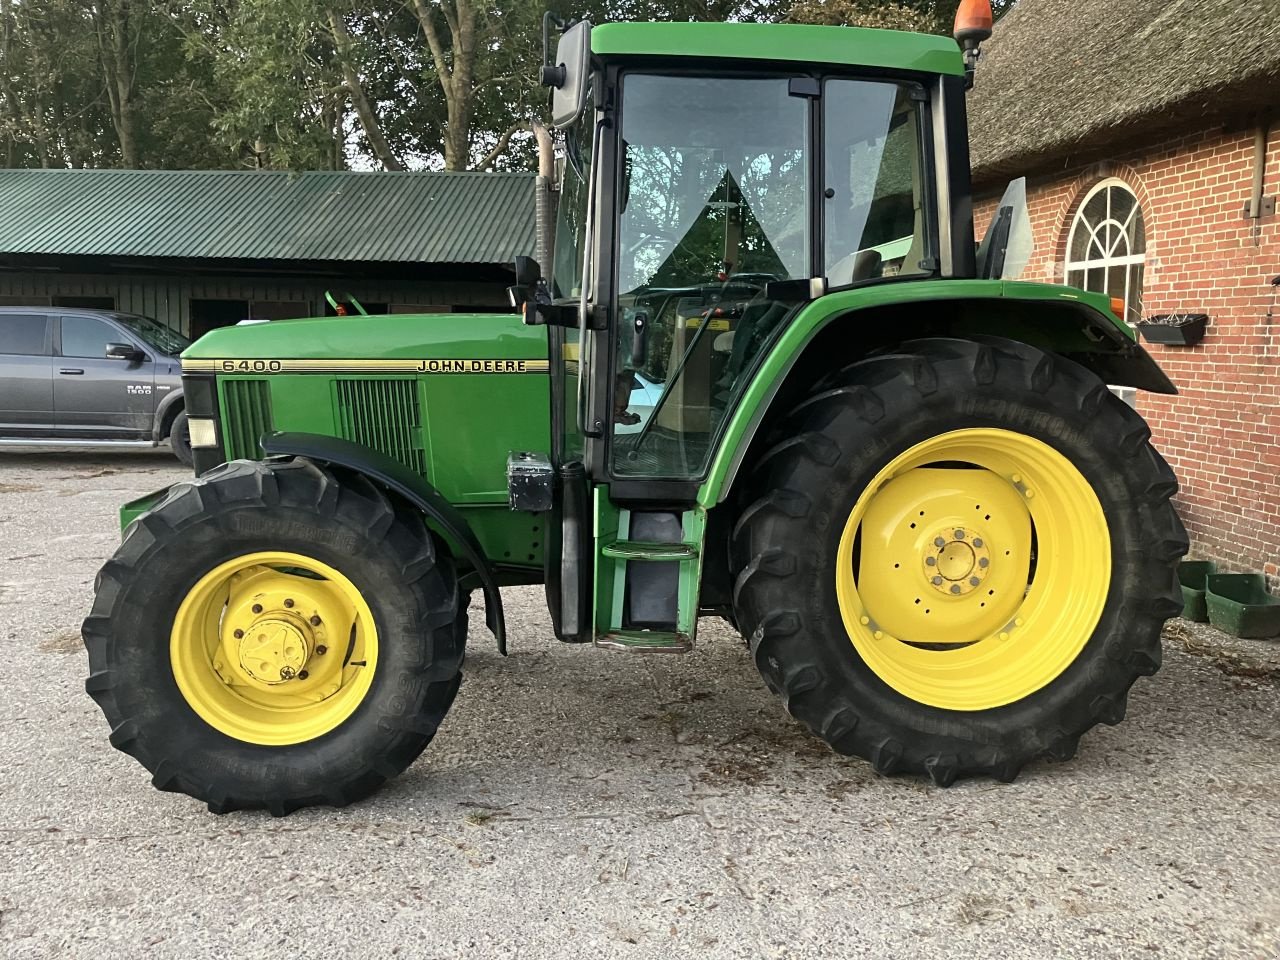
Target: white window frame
1124,235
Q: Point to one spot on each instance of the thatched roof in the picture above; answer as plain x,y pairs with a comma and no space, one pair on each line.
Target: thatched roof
1080,78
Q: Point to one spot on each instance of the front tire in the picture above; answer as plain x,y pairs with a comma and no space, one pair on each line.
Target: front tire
274,635
908,596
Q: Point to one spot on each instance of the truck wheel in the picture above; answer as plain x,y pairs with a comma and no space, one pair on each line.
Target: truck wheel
959,559
180,439
275,635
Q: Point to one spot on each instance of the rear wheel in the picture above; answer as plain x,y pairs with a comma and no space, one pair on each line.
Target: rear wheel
960,558
274,635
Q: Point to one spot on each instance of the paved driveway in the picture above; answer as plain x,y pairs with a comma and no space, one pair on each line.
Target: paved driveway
579,803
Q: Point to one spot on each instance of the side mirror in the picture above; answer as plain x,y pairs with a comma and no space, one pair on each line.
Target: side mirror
568,75
528,271
124,351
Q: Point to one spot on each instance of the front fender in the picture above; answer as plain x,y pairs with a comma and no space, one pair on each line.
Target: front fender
1074,323
393,475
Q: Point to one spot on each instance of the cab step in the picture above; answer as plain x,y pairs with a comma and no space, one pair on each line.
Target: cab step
642,550
645,641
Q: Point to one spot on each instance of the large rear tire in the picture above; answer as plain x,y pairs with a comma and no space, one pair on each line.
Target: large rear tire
273,635
959,559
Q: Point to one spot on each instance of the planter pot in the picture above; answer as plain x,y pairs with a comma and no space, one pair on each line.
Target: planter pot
1186,333
1191,575
1239,604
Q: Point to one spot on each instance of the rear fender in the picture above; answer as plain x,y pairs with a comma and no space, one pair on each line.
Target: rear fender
842,327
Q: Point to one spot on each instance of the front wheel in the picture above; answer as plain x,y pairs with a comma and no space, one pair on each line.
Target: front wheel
275,635
960,559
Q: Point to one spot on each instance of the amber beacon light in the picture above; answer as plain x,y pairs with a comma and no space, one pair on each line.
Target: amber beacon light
973,25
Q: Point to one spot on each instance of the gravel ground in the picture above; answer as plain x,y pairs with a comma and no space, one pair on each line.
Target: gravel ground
580,803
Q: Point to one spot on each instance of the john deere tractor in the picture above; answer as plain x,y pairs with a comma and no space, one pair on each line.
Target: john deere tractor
767,376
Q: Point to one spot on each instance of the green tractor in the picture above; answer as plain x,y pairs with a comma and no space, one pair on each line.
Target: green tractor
768,376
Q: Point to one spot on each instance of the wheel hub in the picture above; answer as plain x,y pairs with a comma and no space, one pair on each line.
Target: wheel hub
956,561
274,650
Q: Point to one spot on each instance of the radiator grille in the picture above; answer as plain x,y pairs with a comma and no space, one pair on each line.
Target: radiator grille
246,417
385,415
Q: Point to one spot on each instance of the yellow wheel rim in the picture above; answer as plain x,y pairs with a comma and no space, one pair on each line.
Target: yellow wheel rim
274,648
935,576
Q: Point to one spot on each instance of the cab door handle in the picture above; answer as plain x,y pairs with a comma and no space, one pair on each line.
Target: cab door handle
71,371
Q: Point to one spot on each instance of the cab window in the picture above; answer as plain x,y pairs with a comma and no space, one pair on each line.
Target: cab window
875,192
713,206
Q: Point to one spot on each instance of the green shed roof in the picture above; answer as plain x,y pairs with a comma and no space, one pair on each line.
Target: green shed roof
268,215
784,43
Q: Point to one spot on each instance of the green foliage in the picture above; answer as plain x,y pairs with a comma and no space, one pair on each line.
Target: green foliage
316,84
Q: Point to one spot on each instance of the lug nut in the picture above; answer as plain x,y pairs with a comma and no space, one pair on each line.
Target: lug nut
321,650
977,541
984,562
257,608
939,542
937,581
930,562
315,621
955,588
974,581
959,534
288,602
238,634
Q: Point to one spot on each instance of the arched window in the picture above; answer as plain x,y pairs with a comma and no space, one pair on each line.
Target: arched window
1107,246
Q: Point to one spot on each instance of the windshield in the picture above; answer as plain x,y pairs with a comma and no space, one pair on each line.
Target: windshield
155,334
571,217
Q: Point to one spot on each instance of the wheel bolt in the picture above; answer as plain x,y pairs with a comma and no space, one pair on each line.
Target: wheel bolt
984,562
315,621
955,588
238,634
959,534
939,542
937,581
288,603
930,562
321,650
977,541
257,608
974,581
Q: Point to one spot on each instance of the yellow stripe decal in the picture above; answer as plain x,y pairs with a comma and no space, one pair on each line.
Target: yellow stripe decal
366,366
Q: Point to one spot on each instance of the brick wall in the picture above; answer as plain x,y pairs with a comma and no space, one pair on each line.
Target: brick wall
1222,433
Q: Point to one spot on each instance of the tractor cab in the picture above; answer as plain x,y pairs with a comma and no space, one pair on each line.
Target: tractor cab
712,187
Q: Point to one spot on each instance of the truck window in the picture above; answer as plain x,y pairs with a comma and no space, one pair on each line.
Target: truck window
88,337
22,334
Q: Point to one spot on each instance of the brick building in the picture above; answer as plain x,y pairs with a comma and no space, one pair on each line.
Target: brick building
1149,133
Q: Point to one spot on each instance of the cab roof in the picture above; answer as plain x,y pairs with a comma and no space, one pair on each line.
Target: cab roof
784,43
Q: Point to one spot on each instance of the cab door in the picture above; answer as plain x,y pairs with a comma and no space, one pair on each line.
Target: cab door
95,395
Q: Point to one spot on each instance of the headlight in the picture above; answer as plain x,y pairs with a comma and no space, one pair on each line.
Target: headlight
203,432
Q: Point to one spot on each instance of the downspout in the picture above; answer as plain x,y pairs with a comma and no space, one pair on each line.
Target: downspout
1257,198
545,198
